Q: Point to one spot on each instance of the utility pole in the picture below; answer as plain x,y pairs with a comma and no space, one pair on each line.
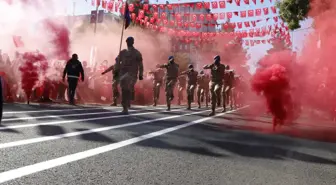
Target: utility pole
95,26
73,12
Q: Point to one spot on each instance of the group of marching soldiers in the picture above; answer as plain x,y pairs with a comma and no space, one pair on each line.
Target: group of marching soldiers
221,83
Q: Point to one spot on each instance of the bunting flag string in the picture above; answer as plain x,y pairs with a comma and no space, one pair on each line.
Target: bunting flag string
158,17
118,6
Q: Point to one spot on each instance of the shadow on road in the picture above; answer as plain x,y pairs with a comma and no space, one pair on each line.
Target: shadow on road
245,119
50,130
97,137
159,143
4,129
267,152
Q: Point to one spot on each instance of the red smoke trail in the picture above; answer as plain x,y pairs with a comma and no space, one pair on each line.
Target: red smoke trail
33,64
274,80
305,87
60,39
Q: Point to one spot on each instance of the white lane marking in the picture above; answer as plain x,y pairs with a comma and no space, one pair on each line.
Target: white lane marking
68,115
55,110
72,134
4,127
38,167
43,109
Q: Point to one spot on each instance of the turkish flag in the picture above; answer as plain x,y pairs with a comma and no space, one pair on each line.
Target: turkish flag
221,4
273,8
207,5
221,15
18,41
251,13
275,19
110,6
229,15
240,25
265,11
243,14
214,5
104,4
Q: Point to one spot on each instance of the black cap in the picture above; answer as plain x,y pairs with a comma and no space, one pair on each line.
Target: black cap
130,39
75,56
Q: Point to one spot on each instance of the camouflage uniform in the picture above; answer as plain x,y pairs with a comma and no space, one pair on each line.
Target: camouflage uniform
203,89
171,78
235,91
157,83
182,83
217,74
192,82
227,89
115,83
127,69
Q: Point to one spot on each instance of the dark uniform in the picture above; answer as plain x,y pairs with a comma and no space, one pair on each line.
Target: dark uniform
115,91
181,85
128,69
73,69
158,75
192,83
171,78
202,89
217,75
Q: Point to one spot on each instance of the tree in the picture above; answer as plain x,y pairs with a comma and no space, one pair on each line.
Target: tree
294,11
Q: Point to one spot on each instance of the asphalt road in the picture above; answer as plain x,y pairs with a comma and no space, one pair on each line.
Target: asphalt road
60,144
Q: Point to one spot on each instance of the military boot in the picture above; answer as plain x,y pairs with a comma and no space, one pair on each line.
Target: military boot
189,102
125,110
168,104
213,110
114,102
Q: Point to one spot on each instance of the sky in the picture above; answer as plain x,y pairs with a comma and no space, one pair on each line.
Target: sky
298,36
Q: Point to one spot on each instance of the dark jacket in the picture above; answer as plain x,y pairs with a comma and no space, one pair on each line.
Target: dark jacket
73,69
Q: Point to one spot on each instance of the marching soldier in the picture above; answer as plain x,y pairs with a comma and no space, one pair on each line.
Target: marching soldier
128,69
217,74
158,75
171,78
1,97
236,91
181,85
202,89
115,83
227,88
192,82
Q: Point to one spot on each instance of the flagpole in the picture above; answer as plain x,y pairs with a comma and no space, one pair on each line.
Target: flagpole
96,21
122,28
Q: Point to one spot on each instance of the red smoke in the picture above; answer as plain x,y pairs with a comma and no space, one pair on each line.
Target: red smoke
33,65
60,39
305,84
272,80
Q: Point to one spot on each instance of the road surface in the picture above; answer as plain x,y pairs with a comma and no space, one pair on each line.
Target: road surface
73,145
